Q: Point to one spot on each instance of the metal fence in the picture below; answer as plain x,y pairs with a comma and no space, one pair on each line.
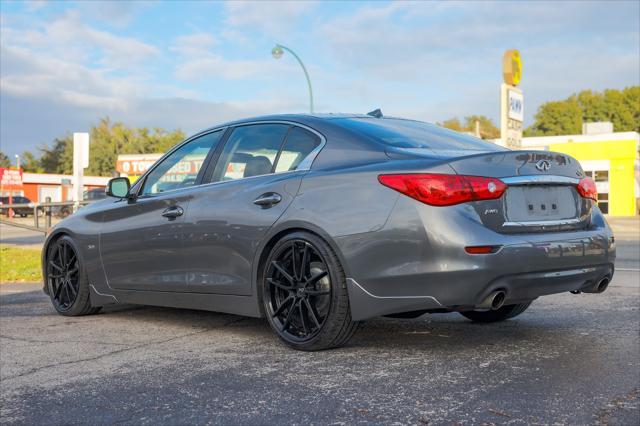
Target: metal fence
42,213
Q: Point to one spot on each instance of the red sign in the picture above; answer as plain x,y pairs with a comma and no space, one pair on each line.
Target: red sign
10,178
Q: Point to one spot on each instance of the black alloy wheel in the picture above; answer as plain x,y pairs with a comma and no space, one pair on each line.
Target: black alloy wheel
66,281
305,294
62,272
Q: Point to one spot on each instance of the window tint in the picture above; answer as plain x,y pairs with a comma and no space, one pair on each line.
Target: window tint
250,151
181,168
299,145
416,134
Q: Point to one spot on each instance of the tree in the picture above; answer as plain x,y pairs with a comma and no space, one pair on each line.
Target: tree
59,158
5,162
453,124
107,141
488,130
557,118
621,107
30,163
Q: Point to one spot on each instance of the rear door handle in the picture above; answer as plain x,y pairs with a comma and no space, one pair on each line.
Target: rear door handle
268,199
173,212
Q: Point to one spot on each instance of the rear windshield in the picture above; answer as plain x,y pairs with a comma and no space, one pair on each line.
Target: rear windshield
416,134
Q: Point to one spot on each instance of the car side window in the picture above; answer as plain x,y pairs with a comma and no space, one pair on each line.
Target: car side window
180,169
250,151
298,146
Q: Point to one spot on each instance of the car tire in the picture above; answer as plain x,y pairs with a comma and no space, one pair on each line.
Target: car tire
501,314
66,279
306,305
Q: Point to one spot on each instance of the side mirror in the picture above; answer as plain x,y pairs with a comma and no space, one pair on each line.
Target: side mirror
118,187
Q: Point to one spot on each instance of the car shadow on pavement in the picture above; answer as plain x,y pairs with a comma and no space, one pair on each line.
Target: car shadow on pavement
438,332
434,334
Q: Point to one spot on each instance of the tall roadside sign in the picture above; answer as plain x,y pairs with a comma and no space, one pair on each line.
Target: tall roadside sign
80,162
511,100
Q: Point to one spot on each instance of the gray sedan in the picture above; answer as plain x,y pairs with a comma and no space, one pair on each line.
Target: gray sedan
318,222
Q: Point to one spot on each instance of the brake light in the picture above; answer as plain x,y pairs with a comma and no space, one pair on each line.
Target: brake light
587,188
444,190
482,249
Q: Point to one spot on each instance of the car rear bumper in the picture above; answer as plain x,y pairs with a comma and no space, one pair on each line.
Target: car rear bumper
418,262
518,288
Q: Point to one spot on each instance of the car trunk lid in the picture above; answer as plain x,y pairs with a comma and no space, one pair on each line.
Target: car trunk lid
541,190
541,194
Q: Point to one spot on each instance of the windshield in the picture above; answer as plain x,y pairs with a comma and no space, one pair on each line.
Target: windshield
415,134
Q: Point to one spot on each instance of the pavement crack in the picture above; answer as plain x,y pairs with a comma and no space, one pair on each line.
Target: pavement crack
22,339
116,352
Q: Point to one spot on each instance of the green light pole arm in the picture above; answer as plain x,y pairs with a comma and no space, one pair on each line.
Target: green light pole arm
306,74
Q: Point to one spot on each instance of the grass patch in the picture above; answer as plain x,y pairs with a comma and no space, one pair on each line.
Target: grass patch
19,264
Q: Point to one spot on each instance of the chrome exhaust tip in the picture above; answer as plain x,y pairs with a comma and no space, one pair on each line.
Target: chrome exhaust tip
598,286
493,301
602,284
498,300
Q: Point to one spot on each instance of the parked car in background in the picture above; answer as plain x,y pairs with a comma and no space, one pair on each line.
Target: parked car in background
94,194
90,196
318,222
19,211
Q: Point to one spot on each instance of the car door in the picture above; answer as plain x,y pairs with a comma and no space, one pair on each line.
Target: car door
256,176
141,239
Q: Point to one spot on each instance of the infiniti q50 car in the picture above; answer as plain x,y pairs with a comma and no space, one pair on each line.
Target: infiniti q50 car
319,222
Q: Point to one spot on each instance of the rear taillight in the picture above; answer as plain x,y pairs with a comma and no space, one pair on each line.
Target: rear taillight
445,190
587,188
482,249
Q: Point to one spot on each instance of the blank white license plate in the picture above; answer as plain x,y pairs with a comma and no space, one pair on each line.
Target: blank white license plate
530,203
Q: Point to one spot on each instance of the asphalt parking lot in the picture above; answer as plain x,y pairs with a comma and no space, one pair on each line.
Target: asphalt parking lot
569,359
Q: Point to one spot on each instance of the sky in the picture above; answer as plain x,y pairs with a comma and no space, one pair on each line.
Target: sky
191,65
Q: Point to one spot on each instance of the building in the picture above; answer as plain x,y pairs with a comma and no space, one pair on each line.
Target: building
38,186
611,159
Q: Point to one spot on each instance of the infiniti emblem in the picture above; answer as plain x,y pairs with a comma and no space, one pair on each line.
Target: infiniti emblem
543,165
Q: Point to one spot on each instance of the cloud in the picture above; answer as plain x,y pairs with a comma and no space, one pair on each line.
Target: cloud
194,45
118,14
412,40
36,76
23,130
68,59
434,60
200,59
216,66
64,67
35,5
274,18
69,37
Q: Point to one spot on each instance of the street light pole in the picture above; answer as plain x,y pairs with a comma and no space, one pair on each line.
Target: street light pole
277,52
17,161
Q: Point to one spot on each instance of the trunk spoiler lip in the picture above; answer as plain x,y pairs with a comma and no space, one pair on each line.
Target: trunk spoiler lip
454,155
531,155
540,179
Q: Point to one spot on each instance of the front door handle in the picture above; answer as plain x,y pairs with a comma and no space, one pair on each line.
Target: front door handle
173,212
268,199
